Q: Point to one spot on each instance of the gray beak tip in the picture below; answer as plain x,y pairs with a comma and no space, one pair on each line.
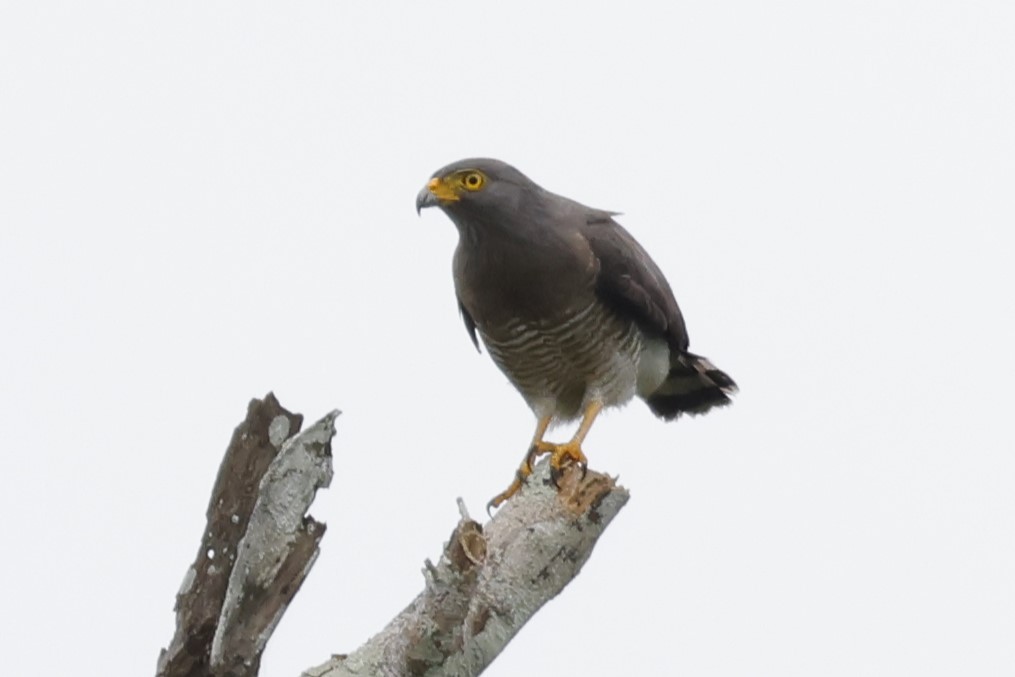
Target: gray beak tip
425,199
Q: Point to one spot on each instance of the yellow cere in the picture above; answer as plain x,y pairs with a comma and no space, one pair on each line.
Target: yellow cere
442,190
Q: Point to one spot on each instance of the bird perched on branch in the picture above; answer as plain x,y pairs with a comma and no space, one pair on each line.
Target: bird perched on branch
569,306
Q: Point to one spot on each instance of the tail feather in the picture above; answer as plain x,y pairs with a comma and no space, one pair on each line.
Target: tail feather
693,386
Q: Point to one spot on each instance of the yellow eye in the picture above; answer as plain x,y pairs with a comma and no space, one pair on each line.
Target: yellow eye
473,181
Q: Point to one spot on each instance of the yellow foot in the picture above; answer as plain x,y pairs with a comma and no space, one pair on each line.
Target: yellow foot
524,470
513,488
561,456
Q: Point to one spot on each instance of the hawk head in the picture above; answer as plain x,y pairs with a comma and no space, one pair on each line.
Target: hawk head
477,184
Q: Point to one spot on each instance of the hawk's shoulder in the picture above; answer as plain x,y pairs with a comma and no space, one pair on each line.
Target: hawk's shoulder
631,282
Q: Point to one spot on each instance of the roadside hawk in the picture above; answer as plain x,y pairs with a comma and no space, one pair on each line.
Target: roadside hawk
568,304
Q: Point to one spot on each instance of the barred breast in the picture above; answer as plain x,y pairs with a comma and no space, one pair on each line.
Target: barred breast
560,365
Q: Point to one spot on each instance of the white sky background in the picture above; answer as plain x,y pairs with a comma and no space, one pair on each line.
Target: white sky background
201,204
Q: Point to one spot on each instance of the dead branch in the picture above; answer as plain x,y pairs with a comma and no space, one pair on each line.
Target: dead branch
490,580
259,545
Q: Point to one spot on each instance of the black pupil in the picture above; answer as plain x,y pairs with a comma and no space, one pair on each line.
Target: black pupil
473,180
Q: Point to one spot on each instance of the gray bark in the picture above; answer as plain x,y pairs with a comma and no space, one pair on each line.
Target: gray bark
490,580
259,545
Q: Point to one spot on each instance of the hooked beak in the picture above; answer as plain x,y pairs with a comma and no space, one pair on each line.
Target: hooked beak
436,193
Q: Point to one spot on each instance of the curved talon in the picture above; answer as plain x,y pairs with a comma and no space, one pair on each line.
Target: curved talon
561,455
535,451
555,475
569,452
524,470
496,501
564,455
513,488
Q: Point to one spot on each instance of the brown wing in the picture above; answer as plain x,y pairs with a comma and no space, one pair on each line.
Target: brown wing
632,284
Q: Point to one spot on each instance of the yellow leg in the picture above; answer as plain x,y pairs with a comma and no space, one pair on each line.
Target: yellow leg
537,448
572,450
560,454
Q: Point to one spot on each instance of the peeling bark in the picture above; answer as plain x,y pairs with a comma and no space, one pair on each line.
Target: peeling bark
257,547
490,580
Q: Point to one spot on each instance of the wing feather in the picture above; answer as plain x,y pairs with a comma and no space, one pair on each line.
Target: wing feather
631,282
470,325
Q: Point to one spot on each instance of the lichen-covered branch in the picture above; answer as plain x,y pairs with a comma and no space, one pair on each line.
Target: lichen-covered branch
258,545
490,580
